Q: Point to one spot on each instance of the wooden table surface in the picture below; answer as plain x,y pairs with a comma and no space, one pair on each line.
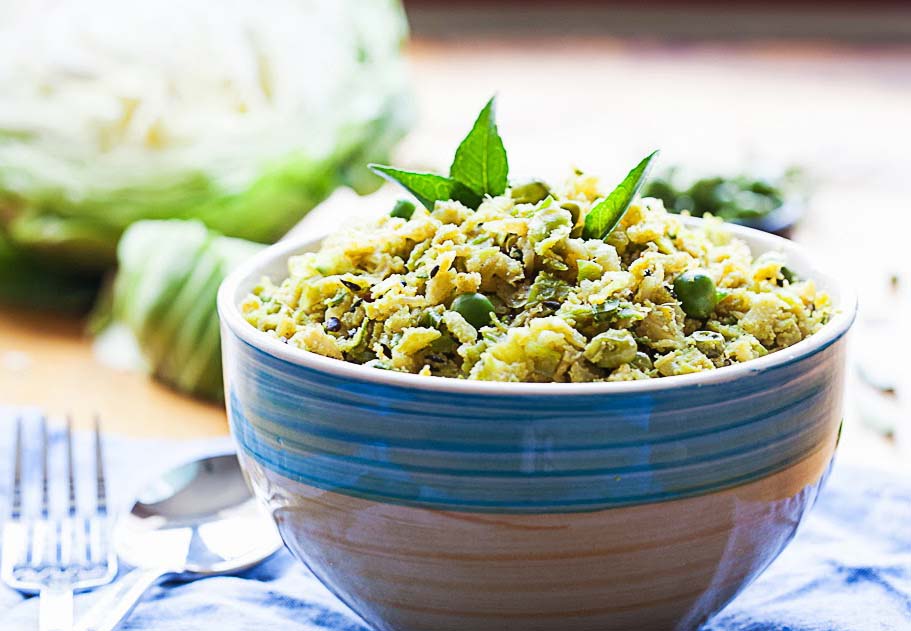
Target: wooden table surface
47,360
597,104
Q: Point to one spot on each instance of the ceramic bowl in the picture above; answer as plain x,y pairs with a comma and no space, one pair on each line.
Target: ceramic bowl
441,504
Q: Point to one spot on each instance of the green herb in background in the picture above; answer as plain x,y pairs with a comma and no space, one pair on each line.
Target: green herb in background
607,213
734,198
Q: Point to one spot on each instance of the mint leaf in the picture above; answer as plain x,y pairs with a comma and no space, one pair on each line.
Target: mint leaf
607,213
429,188
479,168
480,161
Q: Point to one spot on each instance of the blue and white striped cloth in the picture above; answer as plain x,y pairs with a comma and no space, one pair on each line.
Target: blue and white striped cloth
849,568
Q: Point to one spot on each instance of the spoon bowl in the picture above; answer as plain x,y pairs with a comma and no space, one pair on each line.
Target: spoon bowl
196,520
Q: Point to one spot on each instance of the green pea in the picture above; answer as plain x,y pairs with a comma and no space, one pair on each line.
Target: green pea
403,209
611,349
475,308
696,293
529,193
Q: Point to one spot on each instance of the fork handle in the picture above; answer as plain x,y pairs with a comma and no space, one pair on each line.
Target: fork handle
116,603
55,607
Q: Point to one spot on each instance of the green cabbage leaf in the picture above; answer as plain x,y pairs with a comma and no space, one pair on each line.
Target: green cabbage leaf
164,292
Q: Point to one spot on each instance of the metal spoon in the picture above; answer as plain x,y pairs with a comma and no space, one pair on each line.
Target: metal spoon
196,520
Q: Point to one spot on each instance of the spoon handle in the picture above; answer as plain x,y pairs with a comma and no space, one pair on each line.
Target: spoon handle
119,600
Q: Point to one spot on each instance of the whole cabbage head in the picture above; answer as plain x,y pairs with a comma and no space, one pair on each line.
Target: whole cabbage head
241,114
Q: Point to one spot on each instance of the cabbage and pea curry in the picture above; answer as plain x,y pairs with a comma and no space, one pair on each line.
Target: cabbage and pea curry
536,283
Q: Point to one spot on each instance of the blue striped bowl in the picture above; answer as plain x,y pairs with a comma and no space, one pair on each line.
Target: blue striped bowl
429,503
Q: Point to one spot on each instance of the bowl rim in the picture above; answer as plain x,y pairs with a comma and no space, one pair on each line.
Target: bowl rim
232,320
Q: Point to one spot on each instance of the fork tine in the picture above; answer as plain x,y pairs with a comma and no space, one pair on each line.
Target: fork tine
16,503
31,537
66,543
102,500
37,534
70,478
45,493
95,533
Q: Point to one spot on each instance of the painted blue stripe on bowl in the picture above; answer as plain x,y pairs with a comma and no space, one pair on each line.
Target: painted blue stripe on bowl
607,460
526,489
586,421
330,440
507,453
429,497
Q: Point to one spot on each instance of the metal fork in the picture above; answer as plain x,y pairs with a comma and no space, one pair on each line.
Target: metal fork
51,554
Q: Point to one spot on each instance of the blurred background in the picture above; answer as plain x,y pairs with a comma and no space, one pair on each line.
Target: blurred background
257,120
